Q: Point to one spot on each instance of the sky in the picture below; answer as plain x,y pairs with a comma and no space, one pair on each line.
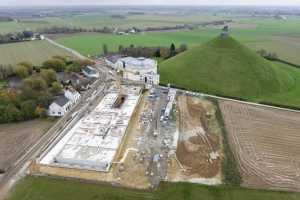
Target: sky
147,2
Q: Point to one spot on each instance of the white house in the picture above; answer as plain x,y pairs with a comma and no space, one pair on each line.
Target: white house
90,72
59,106
72,95
136,69
63,103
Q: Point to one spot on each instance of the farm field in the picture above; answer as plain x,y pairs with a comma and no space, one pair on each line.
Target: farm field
17,137
35,52
99,20
42,188
265,143
276,36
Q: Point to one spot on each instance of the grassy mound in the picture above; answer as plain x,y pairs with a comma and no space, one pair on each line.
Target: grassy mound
223,66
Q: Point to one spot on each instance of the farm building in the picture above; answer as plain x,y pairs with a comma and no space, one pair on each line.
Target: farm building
136,69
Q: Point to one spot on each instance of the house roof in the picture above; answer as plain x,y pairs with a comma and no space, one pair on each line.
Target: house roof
114,58
89,70
61,100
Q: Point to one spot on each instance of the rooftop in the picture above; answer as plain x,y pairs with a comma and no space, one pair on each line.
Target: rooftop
61,100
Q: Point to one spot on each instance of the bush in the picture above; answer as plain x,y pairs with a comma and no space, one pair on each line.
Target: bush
9,113
56,88
22,71
55,64
49,75
28,109
40,112
28,66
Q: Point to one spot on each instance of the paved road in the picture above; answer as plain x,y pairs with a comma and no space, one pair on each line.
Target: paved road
88,100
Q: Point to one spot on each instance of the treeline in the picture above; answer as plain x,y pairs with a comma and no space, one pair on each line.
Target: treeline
67,30
16,37
268,55
168,28
148,52
6,19
216,23
274,57
38,88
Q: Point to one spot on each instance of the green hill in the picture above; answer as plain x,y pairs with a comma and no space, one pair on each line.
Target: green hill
223,66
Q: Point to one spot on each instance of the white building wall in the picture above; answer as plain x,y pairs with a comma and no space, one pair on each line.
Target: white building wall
73,96
56,110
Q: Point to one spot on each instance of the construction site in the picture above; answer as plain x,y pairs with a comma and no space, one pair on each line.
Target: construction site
137,138
199,154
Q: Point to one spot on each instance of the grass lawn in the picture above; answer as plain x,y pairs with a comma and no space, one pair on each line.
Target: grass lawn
35,52
42,188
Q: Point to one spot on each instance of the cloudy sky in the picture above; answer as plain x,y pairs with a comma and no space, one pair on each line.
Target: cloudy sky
147,2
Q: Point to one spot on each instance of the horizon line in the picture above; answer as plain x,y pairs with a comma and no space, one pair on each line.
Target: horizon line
148,5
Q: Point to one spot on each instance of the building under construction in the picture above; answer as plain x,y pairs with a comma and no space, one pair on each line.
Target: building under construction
94,141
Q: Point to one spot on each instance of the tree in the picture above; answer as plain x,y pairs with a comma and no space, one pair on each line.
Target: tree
28,109
45,99
28,66
39,84
172,50
182,48
28,34
22,71
104,49
262,52
157,53
9,113
84,62
121,49
62,58
74,68
56,88
40,112
49,75
55,64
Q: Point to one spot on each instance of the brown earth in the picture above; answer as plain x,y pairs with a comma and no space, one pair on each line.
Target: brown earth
17,137
198,137
266,144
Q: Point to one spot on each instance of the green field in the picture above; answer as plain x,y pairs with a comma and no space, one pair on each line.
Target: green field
100,20
225,67
35,52
273,35
42,188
